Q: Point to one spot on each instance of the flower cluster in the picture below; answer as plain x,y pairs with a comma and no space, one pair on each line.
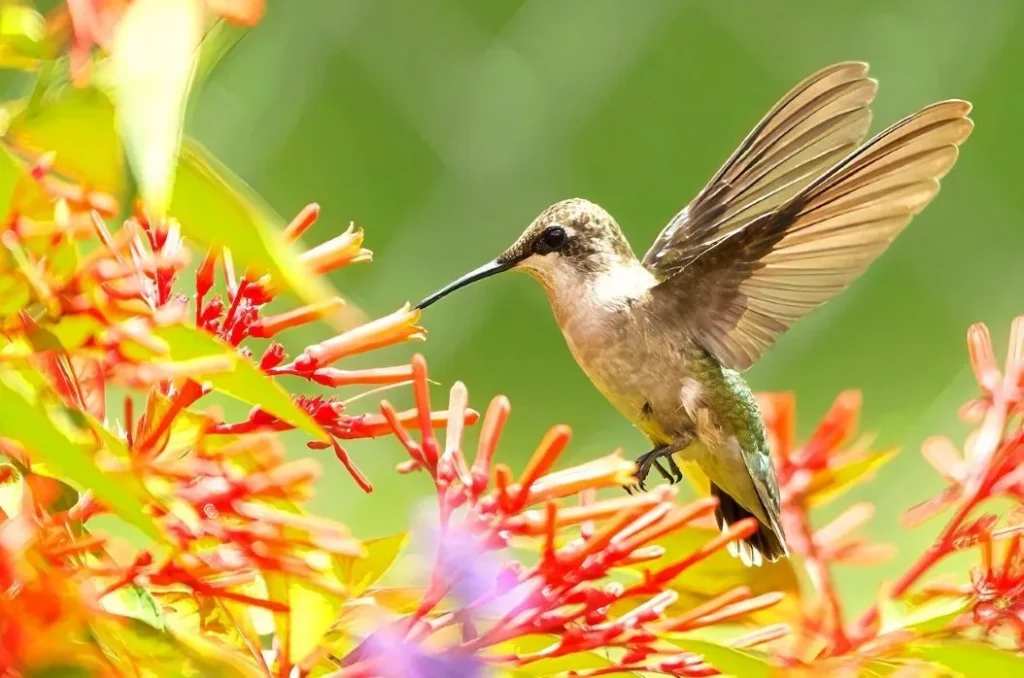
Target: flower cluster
899,630
112,348
566,597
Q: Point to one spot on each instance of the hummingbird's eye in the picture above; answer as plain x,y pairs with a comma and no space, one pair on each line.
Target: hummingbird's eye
553,238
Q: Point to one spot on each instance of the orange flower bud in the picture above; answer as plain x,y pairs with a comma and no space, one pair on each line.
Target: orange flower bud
302,221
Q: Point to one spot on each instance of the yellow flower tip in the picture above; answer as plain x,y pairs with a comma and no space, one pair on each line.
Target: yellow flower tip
341,250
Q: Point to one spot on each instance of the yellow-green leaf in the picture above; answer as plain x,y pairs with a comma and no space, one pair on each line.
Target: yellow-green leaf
78,126
359,574
138,649
65,334
931,616
152,63
62,262
26,422
728,660
311,614
113,444
22,35
10,173
62,671
216,208
828,485
969,658
244,381
15,294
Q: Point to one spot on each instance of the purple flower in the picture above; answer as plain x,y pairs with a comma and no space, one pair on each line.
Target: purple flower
478,578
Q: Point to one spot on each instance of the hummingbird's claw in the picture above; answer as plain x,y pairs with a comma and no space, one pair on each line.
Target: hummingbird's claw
644,463
677,474
661,469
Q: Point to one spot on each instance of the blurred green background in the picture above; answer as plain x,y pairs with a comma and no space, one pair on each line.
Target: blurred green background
444,127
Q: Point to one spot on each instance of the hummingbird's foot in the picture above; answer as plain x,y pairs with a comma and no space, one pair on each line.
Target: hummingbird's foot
644,463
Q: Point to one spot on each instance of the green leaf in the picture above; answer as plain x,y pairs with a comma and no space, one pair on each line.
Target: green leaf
63,671
62,262
215,208
244,381
110,442
828,485
928,617
26,422
134,602
138,649
78,126
66,334
311,614
10,173
218,42
15,294
22,36
970,658
359,574
728,660
152,62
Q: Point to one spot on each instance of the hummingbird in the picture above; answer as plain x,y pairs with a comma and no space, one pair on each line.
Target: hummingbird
798,211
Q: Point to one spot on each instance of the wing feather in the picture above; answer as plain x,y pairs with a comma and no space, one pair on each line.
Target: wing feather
818,123
753,284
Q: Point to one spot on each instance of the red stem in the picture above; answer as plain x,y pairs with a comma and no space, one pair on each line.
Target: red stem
821,576
229,319
939,549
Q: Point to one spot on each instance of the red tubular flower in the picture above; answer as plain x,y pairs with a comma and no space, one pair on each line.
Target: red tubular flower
306,217
269,326
392,329
995,452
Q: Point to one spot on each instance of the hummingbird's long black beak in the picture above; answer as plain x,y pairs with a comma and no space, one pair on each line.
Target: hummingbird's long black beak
485,271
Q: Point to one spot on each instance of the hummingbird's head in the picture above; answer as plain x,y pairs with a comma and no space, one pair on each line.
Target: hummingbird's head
567,243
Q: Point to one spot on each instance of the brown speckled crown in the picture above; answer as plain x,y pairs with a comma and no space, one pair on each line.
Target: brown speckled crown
597,243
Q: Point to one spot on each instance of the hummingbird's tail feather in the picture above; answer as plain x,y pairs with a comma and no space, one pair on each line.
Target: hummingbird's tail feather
766,544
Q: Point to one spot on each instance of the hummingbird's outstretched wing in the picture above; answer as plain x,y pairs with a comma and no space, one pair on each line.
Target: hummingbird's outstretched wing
819,122
752,285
